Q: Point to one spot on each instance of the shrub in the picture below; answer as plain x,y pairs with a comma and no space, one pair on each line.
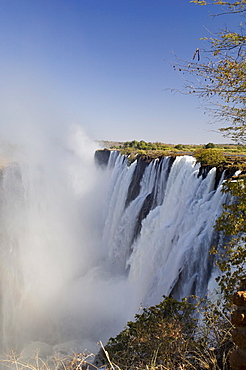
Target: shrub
168,336
210,157
160,335
210,146
179,147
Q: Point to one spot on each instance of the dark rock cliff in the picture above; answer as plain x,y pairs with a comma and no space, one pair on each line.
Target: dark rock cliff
151,200
102,157
134,187
225,170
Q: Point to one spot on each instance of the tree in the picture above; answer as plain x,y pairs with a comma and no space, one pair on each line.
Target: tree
168,336
232,223
161,335
221,80
209,157
209,146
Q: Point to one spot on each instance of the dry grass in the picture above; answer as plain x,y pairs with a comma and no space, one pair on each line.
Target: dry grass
77,361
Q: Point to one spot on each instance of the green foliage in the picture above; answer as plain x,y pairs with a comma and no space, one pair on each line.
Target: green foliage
159,335
159,149
142,145
168,336
210,157
179,147
210,146
232,223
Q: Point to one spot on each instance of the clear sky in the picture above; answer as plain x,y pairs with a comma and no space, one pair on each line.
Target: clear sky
105,65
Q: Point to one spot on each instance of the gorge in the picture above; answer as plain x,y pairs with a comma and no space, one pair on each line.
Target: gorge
86,241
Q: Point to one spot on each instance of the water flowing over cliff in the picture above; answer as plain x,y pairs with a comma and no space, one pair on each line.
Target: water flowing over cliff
159,225
83,246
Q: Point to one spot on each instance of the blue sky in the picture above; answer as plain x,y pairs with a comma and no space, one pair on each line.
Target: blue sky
105,65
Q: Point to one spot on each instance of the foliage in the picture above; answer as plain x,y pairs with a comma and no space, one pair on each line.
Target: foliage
234,6
221,79
210,157
232,223
168,335
210,146
215,335
179,147
158,335
142,145
157,149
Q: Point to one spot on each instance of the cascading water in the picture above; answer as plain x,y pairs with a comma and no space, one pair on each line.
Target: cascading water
82,247
161,237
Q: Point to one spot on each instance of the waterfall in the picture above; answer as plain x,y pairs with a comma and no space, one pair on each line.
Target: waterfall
162,236
83,246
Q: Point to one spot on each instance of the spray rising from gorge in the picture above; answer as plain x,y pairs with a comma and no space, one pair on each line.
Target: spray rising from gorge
83,246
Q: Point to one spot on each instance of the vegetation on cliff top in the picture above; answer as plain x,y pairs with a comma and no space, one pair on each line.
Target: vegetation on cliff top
142,146
211,154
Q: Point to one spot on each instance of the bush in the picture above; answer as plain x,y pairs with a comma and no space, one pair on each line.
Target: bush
160,335
168,336
210,157
210,146
179,147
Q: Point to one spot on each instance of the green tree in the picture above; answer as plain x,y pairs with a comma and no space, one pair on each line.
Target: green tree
161,335
221,80
168,336
209,157
232,223
179,147
209,145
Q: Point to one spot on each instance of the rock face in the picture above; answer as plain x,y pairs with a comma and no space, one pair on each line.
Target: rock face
134,187
151,200
238,318
101,157
221,170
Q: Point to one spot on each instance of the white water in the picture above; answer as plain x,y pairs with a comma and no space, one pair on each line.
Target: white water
53,286
175,237
70,275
